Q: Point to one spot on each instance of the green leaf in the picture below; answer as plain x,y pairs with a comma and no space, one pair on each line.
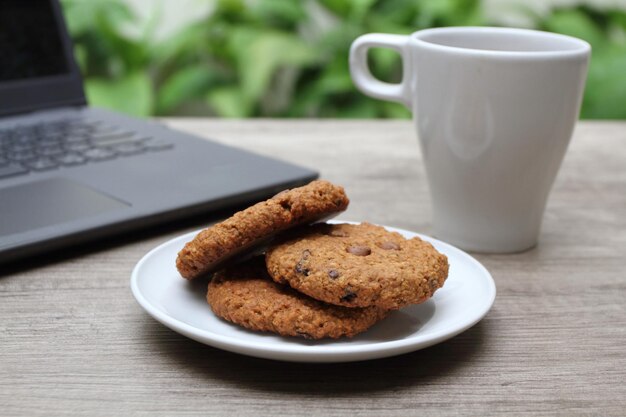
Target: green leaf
80,54
574,22
131,94
81,16
618,17
395,110
605,93
334,82
398,15
98,27
234,7
386,64
339,7
189,41
360,8
439,8
186,84
384,24
132,53
362,109
335,43
259,54
279,13
229,102
450,13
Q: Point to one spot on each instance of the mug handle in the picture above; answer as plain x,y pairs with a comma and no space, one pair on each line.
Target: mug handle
362,76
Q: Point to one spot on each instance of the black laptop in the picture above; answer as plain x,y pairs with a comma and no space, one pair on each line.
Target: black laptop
71,173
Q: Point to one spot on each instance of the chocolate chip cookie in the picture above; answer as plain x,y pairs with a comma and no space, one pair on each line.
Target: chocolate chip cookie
214,246
245,295
358,266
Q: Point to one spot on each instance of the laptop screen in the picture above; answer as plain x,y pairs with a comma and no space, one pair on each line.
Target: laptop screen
30,45
37,69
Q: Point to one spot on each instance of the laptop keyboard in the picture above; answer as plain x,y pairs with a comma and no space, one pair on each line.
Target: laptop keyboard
68,143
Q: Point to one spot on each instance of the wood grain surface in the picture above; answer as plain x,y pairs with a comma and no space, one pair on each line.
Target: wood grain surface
73,341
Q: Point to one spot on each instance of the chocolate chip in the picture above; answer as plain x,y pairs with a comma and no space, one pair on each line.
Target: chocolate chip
333,273
348,296
300,268
389,246
359,250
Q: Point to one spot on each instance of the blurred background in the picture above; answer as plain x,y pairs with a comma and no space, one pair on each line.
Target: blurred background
288,58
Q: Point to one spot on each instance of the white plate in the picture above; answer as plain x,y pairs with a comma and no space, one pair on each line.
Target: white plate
466,297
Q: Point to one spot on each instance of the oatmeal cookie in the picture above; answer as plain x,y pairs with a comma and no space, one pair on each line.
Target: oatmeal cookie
214,246
358,266
245,295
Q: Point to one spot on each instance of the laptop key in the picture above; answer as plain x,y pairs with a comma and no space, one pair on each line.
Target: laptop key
129,148
75,137
84,124
78,146
120,140
99,154
50,150
22,140
110,135
158,145
71,159
12,169
22,155
52,129
51,140
19,146
41,164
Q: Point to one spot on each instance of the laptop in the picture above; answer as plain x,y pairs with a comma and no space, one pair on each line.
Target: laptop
70,173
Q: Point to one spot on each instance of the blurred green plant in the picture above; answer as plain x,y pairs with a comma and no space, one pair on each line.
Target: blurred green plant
277,58
605,93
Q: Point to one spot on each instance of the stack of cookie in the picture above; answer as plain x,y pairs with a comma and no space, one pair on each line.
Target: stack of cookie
315,280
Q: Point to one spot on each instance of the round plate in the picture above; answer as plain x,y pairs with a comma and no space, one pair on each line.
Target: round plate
181,305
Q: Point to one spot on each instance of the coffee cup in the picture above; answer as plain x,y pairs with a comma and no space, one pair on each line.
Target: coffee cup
494,110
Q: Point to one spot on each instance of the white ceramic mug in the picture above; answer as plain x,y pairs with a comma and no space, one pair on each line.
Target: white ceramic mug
494,110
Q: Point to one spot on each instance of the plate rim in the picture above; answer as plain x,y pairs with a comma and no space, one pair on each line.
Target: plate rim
324,353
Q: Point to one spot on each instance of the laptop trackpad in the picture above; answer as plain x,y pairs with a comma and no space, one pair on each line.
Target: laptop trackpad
48,202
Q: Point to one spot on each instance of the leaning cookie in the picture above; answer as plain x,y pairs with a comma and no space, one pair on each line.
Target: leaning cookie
358,266
245,295
212,247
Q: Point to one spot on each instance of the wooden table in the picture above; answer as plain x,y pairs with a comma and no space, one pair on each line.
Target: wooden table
73,341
